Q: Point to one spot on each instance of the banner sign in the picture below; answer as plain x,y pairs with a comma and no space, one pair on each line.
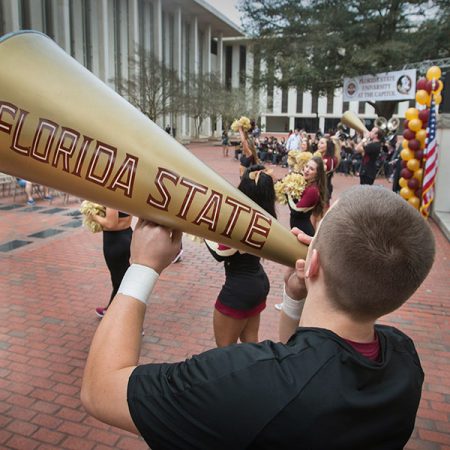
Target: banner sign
400,85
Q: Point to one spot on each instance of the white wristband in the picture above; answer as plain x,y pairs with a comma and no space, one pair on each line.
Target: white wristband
292,308
138,282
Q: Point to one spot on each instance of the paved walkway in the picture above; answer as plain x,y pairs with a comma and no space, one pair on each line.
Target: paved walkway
50,287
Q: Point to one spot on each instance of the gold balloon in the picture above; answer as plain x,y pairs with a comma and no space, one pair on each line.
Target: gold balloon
413,164
415,125
437,99
422,97
406,154
422,145
405,143
403,182
412,113
414,201
421,135
406,193
418,174
434,73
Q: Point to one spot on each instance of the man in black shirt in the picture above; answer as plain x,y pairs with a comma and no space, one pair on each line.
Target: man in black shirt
341,382
370,148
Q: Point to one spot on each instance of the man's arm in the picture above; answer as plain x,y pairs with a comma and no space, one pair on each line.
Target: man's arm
115,348
295,290
360,146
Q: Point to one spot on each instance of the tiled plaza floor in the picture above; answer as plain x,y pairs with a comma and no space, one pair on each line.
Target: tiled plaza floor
50,287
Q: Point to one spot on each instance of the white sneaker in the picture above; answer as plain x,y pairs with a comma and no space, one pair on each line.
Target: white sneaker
278,306
178,257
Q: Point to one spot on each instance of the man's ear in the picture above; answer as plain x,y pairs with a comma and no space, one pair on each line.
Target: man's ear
314,265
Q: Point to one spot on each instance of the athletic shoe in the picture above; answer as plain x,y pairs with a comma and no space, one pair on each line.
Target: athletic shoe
31,202
178,257
278,306
100,311
48,197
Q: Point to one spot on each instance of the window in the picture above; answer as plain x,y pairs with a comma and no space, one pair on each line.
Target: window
214,46
299,100
345,106
48,18
330,101
228,65
361,107
25,15
284,100
314,102
242,65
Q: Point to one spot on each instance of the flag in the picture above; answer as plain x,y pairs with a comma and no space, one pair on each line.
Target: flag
430,168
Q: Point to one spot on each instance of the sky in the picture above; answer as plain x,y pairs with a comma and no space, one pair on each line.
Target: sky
227,8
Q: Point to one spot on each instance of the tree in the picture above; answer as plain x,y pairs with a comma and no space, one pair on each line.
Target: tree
233,103
151,87
198,98
315,43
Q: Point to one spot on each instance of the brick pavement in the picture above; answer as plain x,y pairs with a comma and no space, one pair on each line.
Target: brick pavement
50,287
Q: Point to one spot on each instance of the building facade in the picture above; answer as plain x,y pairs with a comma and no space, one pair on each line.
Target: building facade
189,36
103,35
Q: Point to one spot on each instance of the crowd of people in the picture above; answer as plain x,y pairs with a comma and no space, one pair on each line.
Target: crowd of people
348,155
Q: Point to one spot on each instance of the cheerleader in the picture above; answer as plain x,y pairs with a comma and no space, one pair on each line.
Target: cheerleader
327,149
249,156
313,198
243,296
117,235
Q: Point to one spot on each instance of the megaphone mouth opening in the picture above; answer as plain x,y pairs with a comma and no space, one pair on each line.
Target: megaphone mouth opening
7,36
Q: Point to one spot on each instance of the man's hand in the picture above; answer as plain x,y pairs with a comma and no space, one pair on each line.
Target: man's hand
294,279
154,246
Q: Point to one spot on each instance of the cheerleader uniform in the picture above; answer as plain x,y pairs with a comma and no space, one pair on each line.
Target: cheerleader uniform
331,163
247,161
246,284
302,209
116,250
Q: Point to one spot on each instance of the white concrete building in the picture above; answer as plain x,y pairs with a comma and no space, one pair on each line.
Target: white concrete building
185,35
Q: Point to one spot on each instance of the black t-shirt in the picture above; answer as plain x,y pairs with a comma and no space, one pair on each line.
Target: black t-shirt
316,392
369,162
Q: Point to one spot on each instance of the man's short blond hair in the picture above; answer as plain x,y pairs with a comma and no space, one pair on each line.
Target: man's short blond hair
375,250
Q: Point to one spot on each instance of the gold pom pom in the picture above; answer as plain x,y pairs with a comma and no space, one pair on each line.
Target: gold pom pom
196,239
293,184
89,208
243,122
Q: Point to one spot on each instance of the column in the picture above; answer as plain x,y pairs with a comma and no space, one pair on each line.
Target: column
61,24
194,62
220,65
157,25
36,15
133,40
103,35
235,67
178,42
11,15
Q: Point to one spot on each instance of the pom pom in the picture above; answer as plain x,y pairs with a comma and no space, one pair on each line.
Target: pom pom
297,160
89,208
292,184
196,239
244,122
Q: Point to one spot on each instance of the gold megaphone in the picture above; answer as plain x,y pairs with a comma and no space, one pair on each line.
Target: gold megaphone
350,119
62,127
